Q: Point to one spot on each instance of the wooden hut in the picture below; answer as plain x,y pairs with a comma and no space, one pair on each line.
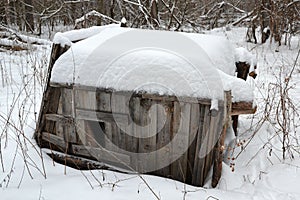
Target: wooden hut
141,101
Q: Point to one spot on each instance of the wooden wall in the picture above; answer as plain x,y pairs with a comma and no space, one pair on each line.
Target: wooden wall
100,125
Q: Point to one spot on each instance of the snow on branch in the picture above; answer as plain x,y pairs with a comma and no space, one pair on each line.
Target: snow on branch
76,1
221,5
10,39
243,18
90,15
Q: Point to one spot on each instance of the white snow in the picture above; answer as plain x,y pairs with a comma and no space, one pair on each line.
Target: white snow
150,61
79,34
123,20
59,38
243,55
214,104
258,173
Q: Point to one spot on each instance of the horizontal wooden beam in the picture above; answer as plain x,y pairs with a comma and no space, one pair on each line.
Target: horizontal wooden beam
59,118
241,108
92,115
54,139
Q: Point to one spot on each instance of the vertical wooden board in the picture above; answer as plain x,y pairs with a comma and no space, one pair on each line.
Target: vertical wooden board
199,162
51,96
121,133
132,141
205,139
67,110
81,132
209,144
59,129
147,129
59,125
85,99
193,134
59,109
214,132
51,107
179,149
164,119
103,103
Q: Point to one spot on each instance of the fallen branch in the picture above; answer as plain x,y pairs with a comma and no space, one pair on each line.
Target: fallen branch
13,35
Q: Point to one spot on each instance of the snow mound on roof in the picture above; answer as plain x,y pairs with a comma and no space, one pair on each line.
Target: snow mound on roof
79,34
218,48
243,55
165,63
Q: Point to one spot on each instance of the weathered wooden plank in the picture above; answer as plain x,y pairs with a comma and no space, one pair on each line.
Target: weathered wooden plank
213,132
67,110
58,118
118,105
51,108
86,99
55,140
194,125
92,115
49,91
103,103
175,98
147,138
200,154
164,136
219,147
103,155
179,167
240,108
81,133
132,141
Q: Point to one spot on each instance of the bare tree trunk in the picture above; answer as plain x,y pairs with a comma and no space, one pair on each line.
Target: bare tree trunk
265,19
154,12
18,14
29,19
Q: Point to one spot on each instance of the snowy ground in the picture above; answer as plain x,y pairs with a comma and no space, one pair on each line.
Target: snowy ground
259,172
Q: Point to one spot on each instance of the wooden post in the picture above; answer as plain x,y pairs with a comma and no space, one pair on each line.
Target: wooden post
56,51
219,147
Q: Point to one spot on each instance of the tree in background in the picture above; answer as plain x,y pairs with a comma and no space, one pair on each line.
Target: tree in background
270,18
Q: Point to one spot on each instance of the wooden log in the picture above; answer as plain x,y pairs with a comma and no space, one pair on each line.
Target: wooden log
219,147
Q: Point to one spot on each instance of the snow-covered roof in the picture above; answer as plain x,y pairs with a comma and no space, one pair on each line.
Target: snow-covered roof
167,63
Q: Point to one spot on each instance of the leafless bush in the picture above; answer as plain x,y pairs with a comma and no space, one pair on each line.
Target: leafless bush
23,75
281,109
